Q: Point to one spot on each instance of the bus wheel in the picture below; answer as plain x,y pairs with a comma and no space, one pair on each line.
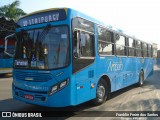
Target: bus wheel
141,79
101,93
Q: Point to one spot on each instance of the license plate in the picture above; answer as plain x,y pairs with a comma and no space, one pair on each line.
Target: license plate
29,97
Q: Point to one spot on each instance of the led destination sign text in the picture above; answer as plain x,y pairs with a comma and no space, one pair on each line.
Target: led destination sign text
43,17
49,18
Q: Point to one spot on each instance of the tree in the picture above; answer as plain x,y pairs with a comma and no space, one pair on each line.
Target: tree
12,11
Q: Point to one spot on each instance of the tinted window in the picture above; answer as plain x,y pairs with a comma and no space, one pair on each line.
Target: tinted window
131,42
144,47
42,48
83,24
120,40
131,52
83,44
105,48
104,35
120,50
149,50
86,45
138,44
105,41
138,49
120,45
139,53
131,47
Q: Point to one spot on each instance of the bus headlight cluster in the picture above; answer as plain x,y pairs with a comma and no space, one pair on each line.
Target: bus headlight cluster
58,87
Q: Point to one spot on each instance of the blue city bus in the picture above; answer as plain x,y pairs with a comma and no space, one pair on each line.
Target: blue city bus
64,58
6,62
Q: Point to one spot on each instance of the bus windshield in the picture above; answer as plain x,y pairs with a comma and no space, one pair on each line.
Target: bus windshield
46,48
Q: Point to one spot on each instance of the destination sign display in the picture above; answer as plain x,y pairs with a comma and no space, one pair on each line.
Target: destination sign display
43,17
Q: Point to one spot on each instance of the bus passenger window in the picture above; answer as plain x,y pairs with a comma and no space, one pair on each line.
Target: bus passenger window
144,47
149,51
120,45
138,49
105,41
131,47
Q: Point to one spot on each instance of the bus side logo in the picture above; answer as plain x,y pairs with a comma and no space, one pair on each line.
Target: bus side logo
115,66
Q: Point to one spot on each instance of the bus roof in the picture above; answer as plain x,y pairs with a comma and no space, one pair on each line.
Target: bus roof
75,13
41,11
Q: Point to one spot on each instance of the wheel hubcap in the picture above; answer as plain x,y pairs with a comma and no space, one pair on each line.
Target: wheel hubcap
100,91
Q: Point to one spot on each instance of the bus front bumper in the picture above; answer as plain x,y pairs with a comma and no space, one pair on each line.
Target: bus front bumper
58,99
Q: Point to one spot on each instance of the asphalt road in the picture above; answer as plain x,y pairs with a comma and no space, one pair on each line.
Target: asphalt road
132,98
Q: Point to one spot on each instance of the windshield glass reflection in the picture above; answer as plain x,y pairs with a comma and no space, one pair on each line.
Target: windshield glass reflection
46,48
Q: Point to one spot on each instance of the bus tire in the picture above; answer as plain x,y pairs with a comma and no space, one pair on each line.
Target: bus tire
141,79
101,93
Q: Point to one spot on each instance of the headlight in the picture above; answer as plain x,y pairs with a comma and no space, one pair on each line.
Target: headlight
63,84
54,89
58,87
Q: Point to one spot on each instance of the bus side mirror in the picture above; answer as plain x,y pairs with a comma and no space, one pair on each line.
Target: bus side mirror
76,49
6,45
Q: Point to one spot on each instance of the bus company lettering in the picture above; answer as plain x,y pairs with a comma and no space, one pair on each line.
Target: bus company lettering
115,66
41,19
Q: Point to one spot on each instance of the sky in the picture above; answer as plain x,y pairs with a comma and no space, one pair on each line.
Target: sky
139,18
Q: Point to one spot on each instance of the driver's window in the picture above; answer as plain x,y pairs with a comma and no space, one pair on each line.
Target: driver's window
75,40
83,43
86,45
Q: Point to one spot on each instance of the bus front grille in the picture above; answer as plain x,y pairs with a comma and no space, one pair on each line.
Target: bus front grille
33,76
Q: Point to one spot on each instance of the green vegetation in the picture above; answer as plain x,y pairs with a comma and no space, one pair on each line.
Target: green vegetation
12,11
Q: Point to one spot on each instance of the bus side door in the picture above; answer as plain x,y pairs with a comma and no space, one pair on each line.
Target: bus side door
83,64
